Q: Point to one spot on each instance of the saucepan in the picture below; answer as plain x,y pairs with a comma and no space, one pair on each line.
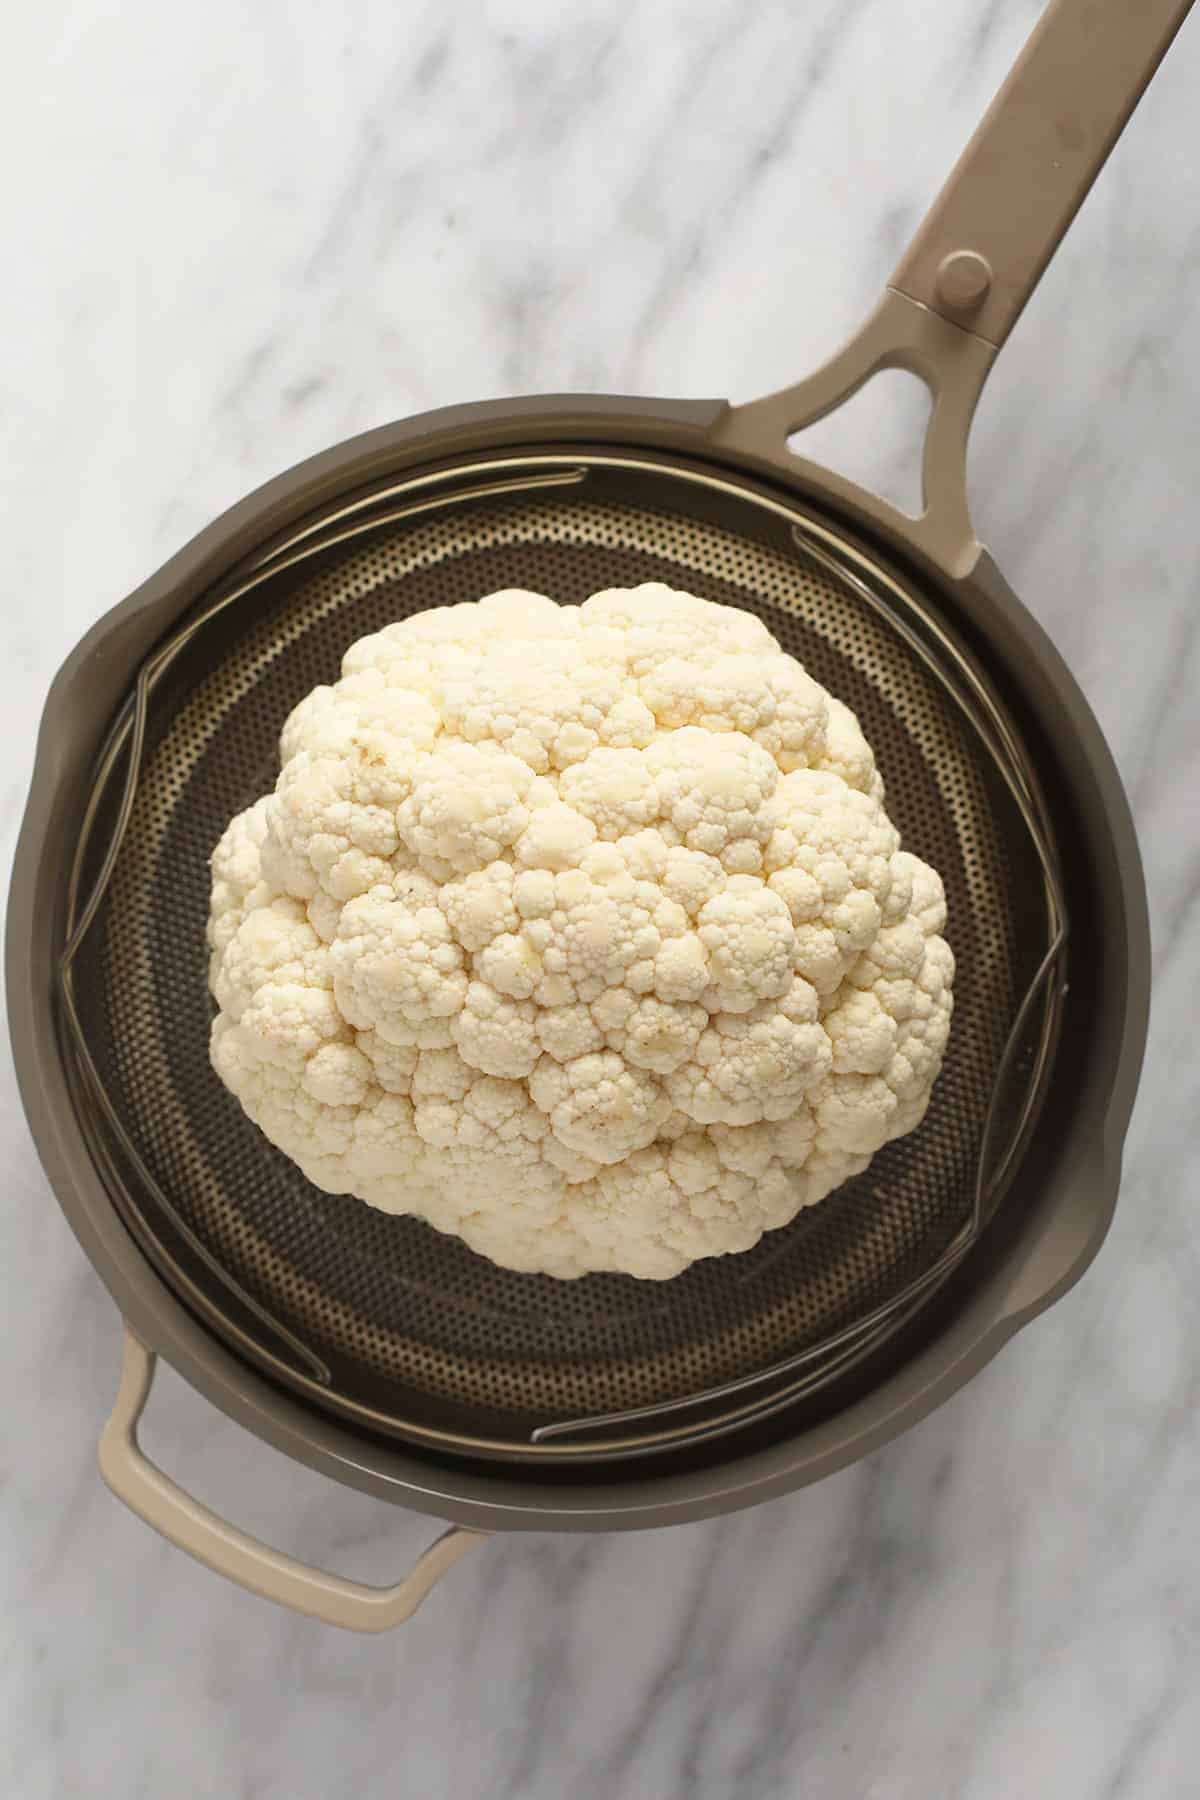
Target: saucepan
390,1357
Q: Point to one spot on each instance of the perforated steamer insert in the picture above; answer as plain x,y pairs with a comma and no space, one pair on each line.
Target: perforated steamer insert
391,1357
404,1323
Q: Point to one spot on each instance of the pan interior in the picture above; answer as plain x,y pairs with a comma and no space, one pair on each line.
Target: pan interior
384,1318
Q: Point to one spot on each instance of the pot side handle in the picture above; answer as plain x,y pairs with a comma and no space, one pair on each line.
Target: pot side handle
976,258
160,1503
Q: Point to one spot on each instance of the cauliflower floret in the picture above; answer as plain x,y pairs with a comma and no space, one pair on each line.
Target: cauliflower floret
780,707
396,967
755,1065
604,927
496,1034
363,720
681,968
555,838
551,717
713,787
691,878
467,806
237,883
338,1075
392,1065
579,932
846,751
656,623
598,1105
273,945
481,906
331,822
652,1033
565,1032
318,1130
386,1153
614,789
861,1033
289,1023
748,934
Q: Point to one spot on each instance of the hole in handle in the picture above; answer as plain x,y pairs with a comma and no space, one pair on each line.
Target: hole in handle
875,438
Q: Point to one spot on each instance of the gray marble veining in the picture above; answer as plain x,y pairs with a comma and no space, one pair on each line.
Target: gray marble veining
236,234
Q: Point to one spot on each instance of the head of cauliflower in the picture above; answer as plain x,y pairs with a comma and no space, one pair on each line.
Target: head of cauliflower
580,932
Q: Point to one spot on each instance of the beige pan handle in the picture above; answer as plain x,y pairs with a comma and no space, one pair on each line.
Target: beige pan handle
979,253
159,1502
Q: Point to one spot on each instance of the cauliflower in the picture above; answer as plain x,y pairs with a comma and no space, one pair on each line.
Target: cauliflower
579,932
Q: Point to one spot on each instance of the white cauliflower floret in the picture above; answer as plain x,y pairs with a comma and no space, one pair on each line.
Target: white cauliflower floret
650,1033
748,934
331,822
496,1034
681,968
565,1032
386,1151
392,1065
691,878
551,717
338,1075
481,906
712,790
362,720
615,789
396,967
846,751
273,945
467,806
236,875
853,1113
656,623
599,1105
578,932
756,1065
780,707
555,838
861,1033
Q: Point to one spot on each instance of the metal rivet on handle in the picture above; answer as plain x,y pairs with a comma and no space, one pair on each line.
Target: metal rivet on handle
963,279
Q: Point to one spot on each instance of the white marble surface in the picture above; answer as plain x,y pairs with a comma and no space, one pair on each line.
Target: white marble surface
235,233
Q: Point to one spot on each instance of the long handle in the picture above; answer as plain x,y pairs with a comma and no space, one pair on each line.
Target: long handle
984,243
978,256
156,1499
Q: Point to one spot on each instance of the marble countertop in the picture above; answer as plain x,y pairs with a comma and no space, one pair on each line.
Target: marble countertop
235,234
